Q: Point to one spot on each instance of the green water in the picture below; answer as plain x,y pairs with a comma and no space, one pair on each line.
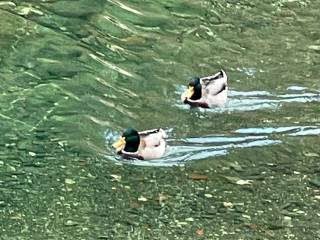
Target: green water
74,74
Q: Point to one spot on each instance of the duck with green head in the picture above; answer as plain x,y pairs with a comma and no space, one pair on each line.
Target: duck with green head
207,92
145,145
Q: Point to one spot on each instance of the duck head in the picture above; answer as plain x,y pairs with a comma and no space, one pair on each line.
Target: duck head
194,89
129,141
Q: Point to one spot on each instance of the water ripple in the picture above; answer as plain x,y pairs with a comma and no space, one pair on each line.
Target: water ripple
292,130
241,101
125,7
111,66
182,151
249,101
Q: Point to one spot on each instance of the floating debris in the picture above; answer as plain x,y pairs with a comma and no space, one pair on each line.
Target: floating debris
198,177
24,11
17,216
314,47
70,223
200,232
142,199
181,223
311,154
244,182
208,195
8,3
287,221
115,177
162,198
69,181
32,154
228,204
239,181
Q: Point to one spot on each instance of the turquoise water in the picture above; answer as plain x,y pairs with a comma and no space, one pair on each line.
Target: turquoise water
74,74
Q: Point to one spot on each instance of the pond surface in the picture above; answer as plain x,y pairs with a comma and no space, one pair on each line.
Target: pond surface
74,74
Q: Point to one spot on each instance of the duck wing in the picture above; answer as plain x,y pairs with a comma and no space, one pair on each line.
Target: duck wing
215,84
152,138
152,144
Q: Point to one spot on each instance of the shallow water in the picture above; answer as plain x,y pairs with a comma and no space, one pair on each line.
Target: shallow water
74,74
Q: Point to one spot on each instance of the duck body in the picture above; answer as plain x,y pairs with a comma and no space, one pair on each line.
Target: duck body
145,145
207,92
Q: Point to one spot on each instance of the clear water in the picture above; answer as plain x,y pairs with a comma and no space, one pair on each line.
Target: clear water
74,74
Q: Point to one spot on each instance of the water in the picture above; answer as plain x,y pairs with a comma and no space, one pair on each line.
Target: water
74,74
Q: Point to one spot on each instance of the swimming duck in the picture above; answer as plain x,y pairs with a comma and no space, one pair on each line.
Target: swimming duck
207,92
145,145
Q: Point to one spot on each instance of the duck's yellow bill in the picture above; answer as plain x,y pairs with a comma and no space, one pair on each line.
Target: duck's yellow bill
120,143
189,92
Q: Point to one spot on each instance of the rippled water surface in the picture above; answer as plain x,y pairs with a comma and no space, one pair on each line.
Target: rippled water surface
74,74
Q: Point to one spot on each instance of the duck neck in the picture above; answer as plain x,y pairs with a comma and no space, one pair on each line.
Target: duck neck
197,92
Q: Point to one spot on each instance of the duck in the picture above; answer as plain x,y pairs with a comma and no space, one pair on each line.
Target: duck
207,92
144,145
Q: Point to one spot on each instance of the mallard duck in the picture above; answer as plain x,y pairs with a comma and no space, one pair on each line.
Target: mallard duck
207,92
146,145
